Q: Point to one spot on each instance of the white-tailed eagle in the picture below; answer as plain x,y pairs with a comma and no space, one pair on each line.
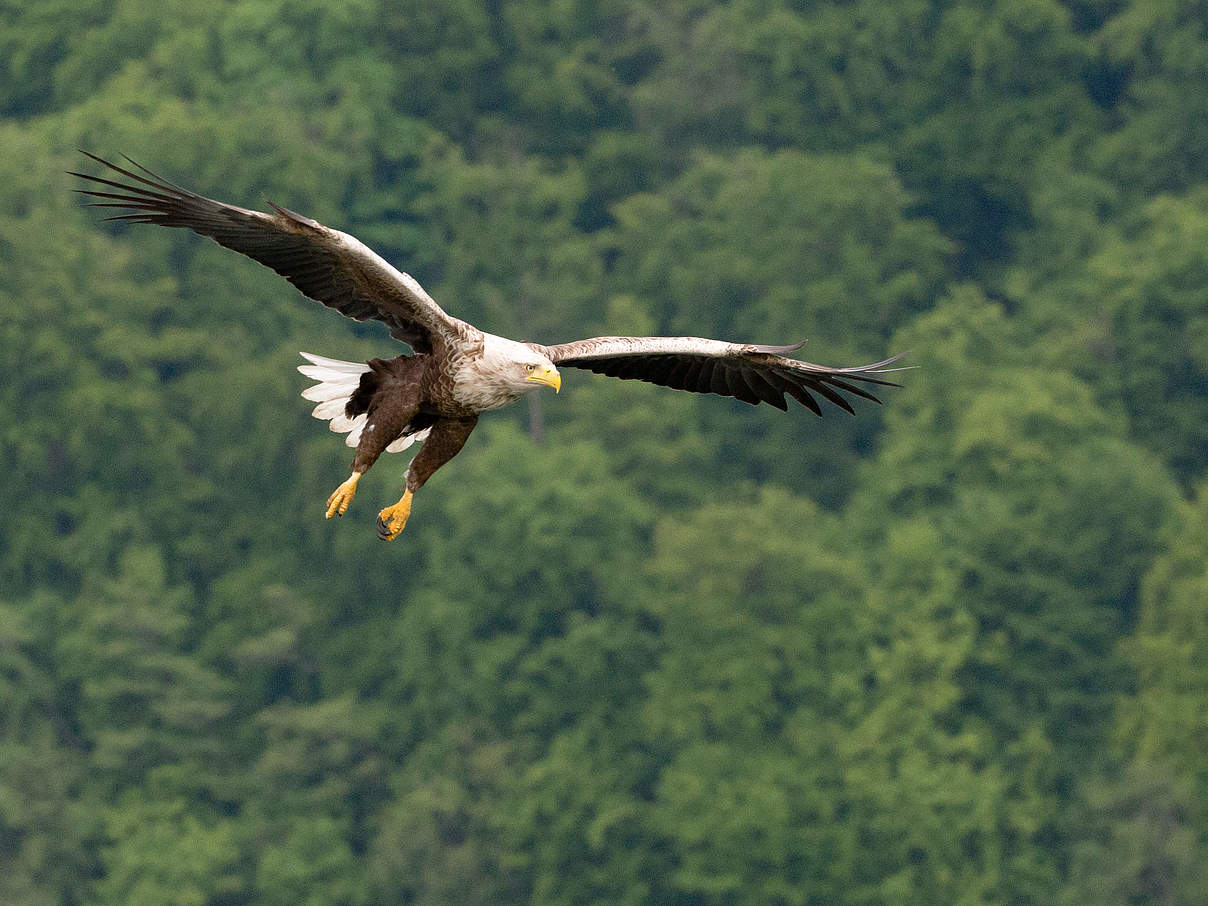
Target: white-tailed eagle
455,371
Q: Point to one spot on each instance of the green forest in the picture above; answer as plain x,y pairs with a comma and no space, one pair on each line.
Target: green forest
636,646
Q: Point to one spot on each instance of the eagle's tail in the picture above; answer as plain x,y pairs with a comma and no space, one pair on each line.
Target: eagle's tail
338,381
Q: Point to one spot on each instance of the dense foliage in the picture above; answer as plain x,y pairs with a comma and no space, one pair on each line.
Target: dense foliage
636,646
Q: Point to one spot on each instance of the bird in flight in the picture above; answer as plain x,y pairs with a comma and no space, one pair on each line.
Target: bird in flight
454,372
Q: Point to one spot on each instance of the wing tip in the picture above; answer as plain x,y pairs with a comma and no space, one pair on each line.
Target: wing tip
89,154
879,367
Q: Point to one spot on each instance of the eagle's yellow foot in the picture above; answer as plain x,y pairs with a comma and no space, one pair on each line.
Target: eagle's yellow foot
337,503
393,519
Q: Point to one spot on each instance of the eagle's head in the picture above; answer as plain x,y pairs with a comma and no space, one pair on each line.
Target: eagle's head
520,367
538,369
503,373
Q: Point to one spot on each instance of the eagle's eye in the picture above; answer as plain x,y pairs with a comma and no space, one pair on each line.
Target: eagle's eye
529,367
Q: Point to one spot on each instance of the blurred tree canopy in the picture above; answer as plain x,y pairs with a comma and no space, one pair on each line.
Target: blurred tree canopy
636,646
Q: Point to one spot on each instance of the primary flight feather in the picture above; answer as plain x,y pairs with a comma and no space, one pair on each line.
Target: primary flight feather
455,371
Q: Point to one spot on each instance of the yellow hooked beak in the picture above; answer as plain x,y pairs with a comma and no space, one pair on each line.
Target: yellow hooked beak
547,375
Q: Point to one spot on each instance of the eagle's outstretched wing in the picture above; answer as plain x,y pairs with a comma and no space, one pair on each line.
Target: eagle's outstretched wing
751,373
325,264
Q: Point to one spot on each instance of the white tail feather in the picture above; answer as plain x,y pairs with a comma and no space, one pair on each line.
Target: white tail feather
333,364
329,390
353,427
338,381
407,440
331,408
342,423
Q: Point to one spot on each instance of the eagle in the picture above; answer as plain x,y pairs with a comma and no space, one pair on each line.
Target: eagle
434,394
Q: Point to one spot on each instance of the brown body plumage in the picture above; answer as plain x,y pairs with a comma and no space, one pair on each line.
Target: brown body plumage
456,371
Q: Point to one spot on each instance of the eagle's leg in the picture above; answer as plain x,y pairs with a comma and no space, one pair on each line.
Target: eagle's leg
445,441
385,422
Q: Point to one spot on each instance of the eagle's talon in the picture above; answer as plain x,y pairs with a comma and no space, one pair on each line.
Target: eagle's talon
341,497
392,520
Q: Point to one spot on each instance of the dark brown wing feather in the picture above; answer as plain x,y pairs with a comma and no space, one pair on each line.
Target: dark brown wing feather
329,266
751,373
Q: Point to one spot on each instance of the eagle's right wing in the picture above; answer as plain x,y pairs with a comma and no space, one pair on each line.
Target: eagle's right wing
327,265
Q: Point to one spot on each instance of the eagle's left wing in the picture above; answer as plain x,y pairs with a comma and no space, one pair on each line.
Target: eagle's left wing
751,373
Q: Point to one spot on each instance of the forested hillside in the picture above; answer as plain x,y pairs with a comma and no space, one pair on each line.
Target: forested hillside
636,646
